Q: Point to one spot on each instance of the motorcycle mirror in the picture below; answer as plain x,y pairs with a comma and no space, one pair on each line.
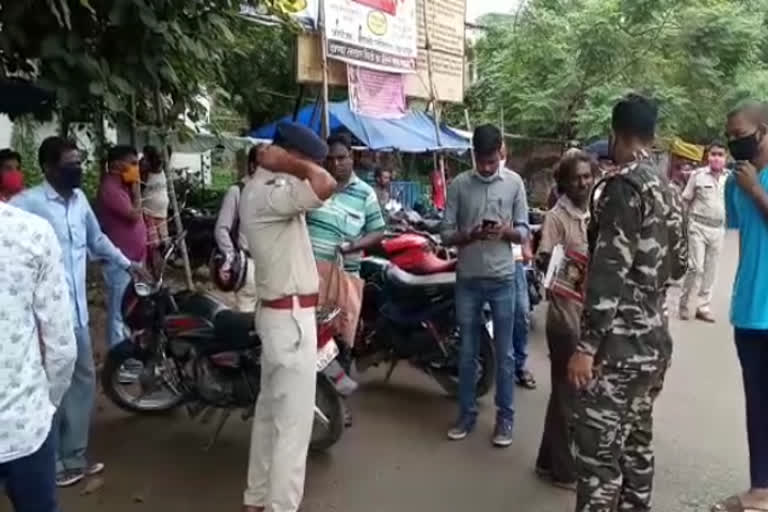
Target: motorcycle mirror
142,289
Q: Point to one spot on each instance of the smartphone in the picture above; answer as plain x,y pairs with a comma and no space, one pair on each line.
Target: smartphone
489,223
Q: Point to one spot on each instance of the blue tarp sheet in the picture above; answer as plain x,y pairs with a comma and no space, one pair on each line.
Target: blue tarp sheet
413,133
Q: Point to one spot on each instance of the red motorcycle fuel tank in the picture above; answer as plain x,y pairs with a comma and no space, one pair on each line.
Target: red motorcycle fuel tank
413,253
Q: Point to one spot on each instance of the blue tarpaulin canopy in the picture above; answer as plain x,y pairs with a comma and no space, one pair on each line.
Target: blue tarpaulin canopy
413,133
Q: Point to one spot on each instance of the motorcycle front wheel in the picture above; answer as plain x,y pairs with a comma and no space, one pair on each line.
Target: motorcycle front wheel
329,416
448,377
137,383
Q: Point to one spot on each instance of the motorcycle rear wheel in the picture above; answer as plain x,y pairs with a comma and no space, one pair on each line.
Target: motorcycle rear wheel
328,424
165,399
486,369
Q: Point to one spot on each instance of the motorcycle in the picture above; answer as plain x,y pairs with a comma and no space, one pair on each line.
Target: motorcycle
408,313
187,348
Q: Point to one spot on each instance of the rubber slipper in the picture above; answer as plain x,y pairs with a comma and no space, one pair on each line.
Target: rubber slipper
526,380
734,504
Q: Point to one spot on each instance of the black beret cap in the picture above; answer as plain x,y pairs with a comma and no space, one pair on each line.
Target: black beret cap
300,138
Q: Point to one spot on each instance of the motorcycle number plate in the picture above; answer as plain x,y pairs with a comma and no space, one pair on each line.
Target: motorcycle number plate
326,354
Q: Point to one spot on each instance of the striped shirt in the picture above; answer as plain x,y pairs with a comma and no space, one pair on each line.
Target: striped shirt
347,216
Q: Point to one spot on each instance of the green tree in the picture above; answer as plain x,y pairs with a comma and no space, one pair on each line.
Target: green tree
259,79
557,66
100,56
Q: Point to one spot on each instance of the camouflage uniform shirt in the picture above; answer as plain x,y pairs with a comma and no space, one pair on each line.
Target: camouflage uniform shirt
638,248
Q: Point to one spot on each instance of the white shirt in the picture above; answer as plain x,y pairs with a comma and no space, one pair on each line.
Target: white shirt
705,192
35,315
155,200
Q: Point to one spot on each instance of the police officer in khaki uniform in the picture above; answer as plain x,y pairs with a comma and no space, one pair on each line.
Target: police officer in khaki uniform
272,217
705,198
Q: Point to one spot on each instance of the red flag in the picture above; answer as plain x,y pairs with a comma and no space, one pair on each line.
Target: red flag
438,189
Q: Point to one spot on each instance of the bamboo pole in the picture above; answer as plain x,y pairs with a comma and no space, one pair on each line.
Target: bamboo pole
439,158
172,191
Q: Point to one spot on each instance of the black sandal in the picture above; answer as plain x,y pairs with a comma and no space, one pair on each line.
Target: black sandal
525,380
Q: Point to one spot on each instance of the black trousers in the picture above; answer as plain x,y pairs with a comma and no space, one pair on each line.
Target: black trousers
555,454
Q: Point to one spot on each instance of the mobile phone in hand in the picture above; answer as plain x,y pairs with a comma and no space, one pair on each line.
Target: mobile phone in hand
489,224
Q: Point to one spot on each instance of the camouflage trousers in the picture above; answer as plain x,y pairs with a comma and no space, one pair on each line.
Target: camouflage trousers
612,433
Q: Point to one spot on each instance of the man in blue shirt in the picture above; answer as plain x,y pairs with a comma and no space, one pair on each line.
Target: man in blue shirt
746,203
60,201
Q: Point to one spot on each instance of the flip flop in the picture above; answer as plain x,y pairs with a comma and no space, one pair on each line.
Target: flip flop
734,504
525,379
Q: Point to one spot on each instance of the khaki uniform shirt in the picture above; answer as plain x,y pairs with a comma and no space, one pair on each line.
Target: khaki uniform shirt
272,211
705,192
566,225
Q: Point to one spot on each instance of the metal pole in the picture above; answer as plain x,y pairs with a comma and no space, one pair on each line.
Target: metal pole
469,129
172,193
326,123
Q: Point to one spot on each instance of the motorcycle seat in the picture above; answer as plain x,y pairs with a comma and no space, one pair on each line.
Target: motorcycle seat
235,330
203,305
400,277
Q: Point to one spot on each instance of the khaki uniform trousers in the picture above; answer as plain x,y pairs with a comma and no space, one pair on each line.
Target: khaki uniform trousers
282,424
705,244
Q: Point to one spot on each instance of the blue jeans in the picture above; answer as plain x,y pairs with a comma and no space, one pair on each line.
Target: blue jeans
30,481
116,280
73,418
471,296
752,347
522,316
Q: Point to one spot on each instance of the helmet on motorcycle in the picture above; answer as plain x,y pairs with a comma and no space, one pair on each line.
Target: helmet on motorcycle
238,270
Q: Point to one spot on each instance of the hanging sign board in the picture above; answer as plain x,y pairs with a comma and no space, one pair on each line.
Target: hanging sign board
374,34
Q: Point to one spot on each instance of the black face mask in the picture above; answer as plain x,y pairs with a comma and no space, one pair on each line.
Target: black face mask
744,149
69,177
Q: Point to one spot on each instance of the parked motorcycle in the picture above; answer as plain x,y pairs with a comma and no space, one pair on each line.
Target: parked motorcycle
408,313
193,350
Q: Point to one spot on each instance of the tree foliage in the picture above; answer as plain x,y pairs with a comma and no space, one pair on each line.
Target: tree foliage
258,74
557,66
99,56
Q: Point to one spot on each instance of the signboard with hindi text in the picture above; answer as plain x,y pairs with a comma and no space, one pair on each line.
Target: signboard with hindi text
446,32
376,34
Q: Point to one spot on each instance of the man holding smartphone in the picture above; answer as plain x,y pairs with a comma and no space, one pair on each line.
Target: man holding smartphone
486,212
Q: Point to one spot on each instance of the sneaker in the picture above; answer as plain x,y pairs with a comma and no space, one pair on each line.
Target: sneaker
69,477
462,429
502,434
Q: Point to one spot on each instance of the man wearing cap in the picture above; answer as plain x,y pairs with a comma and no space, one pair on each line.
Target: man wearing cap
287,184
684,157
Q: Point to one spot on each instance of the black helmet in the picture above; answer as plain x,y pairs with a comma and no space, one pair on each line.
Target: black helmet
238,270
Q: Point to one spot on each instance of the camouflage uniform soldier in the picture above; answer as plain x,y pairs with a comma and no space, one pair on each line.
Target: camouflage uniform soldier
637,247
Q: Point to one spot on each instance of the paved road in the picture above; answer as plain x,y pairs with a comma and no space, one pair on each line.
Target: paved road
396,456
